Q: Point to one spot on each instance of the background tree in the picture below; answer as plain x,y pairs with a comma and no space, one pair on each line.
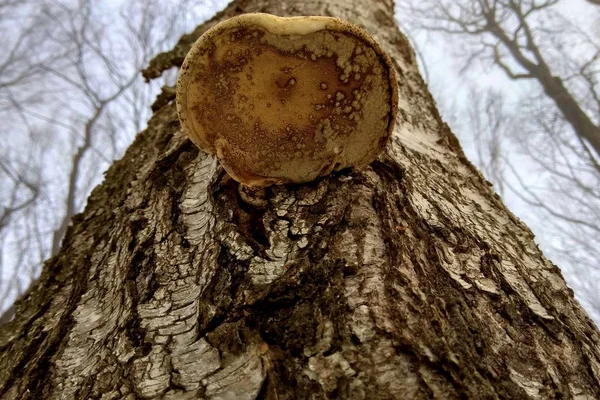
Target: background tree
71,98
539,153
406,279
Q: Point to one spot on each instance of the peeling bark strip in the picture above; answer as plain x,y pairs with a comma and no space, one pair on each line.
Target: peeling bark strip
408,279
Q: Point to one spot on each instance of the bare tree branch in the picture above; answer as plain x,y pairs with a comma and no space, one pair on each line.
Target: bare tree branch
481,17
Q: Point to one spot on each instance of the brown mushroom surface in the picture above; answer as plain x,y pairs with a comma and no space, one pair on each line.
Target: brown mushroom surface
282,100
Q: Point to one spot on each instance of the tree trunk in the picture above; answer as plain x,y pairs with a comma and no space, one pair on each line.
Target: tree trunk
582,124
408,279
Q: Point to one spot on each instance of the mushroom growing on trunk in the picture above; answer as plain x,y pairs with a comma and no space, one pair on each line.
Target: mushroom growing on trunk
286,100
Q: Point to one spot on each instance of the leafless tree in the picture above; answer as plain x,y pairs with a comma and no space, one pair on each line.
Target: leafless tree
543,150
72,93
489,125
504,33
405,279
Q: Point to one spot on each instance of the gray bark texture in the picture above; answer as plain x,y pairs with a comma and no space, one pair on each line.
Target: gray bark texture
408,279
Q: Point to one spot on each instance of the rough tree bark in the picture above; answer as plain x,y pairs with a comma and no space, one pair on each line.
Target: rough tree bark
407,279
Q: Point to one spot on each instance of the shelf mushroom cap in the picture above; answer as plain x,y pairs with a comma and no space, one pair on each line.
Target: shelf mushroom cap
286,100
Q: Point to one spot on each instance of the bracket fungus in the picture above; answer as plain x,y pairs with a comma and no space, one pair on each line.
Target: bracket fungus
286,100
